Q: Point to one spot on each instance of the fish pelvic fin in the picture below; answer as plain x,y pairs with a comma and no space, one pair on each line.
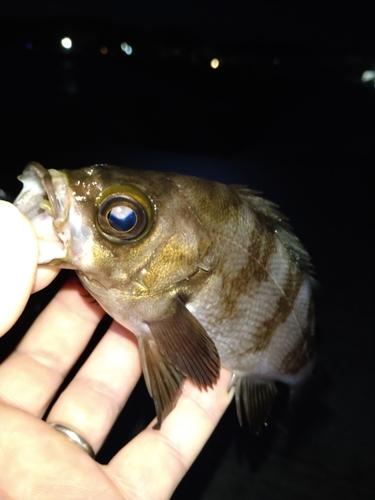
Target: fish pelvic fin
254,400
178,347
163,381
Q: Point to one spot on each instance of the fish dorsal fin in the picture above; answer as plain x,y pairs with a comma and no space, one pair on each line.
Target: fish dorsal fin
278,224
254,398
164,382
181,346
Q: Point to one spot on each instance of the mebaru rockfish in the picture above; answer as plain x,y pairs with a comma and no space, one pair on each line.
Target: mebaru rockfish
204,274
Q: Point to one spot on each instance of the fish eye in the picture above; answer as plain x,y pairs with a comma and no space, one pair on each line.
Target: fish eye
122,218
124,213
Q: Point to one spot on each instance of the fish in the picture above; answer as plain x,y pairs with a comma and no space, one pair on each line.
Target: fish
205,275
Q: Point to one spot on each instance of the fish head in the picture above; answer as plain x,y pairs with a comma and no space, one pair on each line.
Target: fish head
121,229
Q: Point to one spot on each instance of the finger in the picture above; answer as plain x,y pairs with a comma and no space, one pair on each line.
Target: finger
157,460
93,400
18,261
44,276
37,462
31,375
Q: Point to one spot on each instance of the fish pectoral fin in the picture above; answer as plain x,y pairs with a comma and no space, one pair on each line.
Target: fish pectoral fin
185,343
163,381
254,399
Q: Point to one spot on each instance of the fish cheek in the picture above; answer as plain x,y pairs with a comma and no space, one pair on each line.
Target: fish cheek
175,260
104,263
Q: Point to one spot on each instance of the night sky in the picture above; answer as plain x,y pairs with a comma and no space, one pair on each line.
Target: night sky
290,111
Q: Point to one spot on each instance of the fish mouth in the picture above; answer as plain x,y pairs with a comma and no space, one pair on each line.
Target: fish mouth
45,201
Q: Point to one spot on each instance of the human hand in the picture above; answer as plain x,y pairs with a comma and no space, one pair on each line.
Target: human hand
38,462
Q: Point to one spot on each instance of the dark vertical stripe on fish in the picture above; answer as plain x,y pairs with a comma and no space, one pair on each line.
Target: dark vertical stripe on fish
303,350
263,335
261,249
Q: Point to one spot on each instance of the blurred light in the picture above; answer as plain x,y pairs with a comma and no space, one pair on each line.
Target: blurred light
368,76
104,50
29,45
214,63
128,49
66,43
276,61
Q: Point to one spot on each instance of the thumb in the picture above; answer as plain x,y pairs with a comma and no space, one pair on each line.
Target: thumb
18,264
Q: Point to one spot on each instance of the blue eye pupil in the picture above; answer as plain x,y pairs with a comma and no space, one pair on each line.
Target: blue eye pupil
122,218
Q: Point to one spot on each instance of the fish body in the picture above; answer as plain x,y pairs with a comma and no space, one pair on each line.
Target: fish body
204,274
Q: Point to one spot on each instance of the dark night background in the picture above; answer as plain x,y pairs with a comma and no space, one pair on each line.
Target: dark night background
290,112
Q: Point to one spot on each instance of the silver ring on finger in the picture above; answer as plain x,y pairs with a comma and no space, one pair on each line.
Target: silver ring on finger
74,436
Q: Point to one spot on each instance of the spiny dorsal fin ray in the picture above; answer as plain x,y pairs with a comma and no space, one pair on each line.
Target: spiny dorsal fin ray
164,382
254,399
185,344
278,224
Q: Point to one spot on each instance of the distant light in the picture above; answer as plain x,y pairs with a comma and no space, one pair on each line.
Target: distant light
104,50
214,63
29,45
125,47
367,76
276,61
66,43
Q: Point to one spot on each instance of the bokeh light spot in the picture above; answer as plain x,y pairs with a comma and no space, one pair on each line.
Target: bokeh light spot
66,43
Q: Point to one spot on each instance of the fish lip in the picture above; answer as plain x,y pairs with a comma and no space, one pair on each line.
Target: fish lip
45,201
55,185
